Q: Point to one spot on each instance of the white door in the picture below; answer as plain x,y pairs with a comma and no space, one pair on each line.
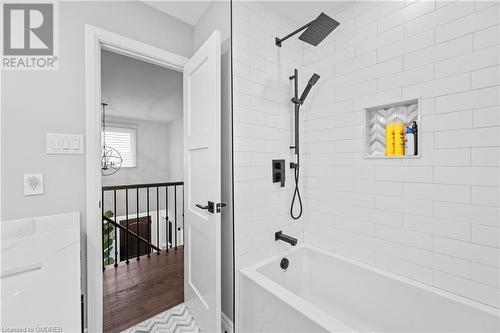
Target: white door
202,185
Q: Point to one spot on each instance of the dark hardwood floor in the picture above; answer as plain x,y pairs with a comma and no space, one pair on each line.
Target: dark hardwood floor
135,292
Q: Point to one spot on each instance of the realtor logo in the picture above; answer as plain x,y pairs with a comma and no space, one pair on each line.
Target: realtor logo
29,33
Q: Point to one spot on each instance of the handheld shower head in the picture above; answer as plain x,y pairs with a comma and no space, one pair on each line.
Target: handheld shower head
312,81
298,102
314,78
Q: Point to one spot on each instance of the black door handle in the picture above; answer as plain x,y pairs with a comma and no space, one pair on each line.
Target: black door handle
210,206
219,206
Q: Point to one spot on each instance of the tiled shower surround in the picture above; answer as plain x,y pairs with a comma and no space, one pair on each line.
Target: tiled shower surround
263,122
435,219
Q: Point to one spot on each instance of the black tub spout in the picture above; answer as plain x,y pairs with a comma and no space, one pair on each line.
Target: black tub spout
285,238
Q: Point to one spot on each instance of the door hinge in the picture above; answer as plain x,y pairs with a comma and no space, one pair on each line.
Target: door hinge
219,206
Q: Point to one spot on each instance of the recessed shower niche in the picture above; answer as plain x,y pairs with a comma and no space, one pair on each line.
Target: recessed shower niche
393,130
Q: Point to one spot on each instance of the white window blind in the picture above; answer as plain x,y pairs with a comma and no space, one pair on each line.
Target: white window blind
124,140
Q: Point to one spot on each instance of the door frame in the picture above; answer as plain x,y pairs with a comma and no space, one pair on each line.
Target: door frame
97,39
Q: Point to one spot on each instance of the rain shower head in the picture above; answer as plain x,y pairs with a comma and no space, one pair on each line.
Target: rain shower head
316,30
321,27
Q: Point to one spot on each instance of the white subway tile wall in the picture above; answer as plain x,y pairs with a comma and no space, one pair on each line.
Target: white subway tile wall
435,219
263,122
439,215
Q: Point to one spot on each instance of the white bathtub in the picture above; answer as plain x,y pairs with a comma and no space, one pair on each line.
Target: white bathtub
323,292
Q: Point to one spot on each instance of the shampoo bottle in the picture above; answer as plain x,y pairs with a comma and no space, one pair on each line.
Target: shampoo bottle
399,140
414,128
389,139
409,142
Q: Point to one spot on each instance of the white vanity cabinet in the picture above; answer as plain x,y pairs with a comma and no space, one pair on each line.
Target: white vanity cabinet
40,274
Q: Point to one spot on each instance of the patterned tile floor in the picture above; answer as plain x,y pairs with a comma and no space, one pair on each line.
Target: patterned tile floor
175,320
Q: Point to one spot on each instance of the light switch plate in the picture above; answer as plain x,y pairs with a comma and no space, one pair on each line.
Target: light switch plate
66,144
33,183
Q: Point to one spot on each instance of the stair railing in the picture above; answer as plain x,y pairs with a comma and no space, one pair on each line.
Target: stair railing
111,222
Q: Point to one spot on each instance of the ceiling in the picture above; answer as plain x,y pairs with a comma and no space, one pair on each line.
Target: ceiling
187,11
299,12
302,12
136,89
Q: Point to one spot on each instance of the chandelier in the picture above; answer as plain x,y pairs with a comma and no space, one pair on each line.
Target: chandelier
111,160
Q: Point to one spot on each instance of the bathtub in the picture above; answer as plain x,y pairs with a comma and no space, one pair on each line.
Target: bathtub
323,292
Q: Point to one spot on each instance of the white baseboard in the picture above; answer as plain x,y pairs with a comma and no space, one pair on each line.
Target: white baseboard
227,324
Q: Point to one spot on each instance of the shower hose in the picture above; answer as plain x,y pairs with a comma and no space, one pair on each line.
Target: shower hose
296,193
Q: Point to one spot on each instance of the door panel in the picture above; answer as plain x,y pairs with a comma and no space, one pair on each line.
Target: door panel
202,181
133,225
198,85
199,182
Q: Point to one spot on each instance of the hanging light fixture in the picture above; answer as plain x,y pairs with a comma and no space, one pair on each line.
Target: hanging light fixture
111,160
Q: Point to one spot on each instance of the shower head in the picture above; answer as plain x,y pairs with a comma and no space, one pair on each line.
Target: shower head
312,81
315,32
314,78
321,27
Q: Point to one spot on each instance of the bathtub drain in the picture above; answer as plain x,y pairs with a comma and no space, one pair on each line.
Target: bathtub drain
284,263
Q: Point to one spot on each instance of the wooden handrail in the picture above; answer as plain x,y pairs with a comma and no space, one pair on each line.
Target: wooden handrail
134,186
119,226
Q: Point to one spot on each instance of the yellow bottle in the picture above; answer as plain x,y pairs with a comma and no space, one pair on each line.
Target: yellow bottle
399,139
389,139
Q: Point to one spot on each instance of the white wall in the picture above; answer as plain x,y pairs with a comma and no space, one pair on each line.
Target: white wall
216,17
153,154
434,219
56,103
176,167
175,159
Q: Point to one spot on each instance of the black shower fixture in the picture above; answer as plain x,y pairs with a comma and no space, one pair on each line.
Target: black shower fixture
316,30
312,81
295,165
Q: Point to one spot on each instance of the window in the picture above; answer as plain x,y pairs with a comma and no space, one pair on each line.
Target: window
124,140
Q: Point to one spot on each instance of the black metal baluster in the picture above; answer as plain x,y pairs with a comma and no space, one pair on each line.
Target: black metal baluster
157,220
116,234
129,234
183,215
126,213
137,222
103,228
149,225
167,222
175,215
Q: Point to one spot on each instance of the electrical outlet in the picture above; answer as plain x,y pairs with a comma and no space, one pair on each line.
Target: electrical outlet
33,183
